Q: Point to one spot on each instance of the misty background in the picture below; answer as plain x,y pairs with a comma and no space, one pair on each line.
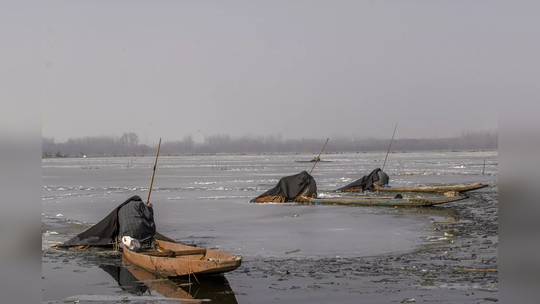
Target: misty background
128,144
302,69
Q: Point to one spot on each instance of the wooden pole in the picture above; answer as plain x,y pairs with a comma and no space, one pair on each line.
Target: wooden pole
484,168
389,147
318,157
153,173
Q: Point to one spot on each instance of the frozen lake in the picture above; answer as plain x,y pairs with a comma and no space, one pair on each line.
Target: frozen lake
204,200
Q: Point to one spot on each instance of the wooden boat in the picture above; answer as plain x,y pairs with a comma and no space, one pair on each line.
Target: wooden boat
180,260
310,161
427,189
382,201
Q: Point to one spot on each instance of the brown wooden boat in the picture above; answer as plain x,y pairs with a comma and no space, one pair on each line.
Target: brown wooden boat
182,260
427,189
312,161
358,201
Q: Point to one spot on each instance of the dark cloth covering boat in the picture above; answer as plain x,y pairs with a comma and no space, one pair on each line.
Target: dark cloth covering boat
289,188
376,176
137,221
106,231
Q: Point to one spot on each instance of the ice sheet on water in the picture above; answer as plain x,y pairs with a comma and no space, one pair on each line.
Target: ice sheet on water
216,202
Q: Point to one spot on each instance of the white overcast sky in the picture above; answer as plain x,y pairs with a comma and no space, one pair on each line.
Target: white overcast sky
296,68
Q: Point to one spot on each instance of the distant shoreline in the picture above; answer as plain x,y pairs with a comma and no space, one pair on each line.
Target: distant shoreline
269,153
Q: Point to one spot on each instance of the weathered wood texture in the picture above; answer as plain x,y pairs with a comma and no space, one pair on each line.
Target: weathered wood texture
209,262
382,201
428,189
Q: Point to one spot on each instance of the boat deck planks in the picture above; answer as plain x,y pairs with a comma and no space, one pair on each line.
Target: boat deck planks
382,201
426,189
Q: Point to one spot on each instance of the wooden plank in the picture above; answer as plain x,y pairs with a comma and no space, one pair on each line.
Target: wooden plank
309,161
432,189
382,201
176,253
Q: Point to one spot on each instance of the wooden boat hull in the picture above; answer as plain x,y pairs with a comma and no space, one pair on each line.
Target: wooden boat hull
382,201
209,262
308,161
427,189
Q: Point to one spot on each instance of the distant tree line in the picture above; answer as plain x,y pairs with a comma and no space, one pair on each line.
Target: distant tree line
128,144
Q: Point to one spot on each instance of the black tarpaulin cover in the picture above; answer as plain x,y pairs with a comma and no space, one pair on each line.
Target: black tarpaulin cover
102,233
289,187
366,182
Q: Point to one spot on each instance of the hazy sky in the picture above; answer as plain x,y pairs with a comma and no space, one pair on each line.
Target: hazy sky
295,68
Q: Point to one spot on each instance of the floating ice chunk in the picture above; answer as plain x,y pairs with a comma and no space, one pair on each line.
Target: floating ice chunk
59,215
205,183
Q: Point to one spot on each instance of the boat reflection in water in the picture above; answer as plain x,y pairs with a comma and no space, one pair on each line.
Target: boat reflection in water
138,281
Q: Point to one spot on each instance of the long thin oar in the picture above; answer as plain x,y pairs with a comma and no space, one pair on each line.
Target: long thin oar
153,173
318,157
389,147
